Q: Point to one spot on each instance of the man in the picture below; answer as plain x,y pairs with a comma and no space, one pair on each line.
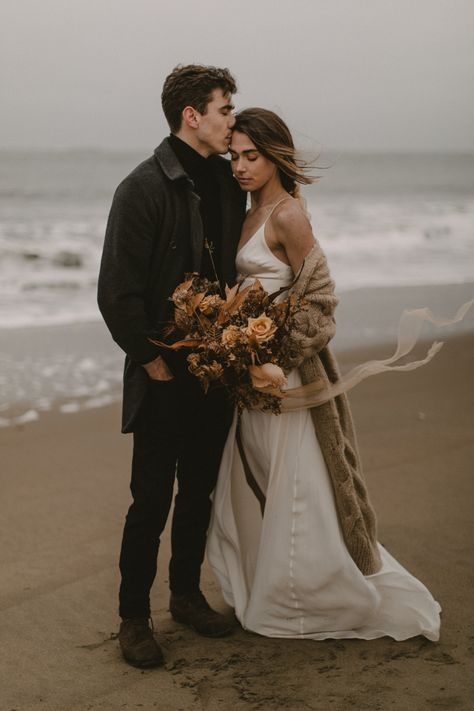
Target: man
177,212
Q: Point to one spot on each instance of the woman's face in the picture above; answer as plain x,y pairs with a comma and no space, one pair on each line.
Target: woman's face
249,166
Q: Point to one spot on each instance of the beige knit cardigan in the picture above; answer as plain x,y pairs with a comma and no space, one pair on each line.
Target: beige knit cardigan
332,420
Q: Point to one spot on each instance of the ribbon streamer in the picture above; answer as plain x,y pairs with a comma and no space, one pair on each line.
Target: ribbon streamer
411,322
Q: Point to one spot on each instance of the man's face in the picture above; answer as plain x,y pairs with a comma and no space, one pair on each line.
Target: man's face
215,126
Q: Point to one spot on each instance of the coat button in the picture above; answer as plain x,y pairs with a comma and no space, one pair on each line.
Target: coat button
173,244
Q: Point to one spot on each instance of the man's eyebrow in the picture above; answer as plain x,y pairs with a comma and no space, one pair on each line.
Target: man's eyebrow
228,106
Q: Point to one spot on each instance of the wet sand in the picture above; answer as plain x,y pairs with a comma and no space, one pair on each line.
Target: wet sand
80,367
64,495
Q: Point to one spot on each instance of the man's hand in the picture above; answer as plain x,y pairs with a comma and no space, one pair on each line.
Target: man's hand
158,370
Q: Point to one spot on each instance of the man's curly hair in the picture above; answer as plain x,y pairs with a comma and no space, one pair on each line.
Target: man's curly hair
192,85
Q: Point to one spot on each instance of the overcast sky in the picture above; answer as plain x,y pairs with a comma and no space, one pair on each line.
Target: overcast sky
348,74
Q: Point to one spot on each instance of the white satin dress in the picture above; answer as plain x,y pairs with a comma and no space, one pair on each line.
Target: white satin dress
288,573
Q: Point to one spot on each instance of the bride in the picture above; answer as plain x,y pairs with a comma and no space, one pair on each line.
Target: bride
296,553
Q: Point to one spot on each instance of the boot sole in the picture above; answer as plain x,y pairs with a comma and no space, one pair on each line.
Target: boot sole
144,665
184,621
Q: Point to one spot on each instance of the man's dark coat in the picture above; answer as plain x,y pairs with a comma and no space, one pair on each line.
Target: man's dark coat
154,235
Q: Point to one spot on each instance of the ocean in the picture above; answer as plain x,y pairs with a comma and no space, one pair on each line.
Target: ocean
382,219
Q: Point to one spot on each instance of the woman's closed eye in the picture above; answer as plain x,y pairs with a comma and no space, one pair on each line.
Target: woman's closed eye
251,157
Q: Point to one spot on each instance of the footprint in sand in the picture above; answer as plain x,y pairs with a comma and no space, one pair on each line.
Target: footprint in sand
449,702
439,657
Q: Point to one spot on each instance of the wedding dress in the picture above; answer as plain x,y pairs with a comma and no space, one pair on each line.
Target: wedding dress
288,573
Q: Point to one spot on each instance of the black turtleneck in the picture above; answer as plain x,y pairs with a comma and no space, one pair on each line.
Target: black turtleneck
201,172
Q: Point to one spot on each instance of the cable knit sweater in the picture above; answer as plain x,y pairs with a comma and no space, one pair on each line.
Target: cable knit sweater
333,421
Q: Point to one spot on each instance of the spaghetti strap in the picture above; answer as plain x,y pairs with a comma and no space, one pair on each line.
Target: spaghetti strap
262,226
273,208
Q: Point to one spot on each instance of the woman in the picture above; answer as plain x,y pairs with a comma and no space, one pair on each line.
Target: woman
309,565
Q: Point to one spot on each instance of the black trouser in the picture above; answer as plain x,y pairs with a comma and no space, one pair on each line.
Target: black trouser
181,431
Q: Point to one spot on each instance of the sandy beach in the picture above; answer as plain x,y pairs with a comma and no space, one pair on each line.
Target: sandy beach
65,492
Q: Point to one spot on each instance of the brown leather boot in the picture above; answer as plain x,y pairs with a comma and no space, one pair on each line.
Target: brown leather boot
193,610
139,646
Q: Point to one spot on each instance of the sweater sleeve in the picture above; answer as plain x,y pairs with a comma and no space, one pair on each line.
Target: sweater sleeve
314,325
132,230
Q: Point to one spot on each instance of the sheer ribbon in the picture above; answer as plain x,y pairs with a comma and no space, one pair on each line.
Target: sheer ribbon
411,322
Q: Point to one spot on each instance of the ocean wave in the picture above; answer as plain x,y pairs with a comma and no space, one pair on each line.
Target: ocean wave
50,257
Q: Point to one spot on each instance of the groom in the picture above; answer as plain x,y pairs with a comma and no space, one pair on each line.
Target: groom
178,211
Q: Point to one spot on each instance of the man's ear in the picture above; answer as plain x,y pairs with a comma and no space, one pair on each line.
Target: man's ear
189,117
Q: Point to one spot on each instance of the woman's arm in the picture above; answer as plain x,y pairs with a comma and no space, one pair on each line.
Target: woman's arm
290,234
314,324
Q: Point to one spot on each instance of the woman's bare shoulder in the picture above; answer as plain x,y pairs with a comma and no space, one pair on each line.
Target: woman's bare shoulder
289,216
290,223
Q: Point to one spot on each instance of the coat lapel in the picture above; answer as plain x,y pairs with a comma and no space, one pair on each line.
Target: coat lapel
196,229
173,170
232,202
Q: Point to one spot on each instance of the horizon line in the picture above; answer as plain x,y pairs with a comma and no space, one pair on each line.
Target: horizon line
147,149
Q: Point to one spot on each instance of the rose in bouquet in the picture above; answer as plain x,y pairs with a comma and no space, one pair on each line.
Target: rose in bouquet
240,342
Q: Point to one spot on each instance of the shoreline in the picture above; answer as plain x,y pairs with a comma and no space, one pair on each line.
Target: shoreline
77,366
441,294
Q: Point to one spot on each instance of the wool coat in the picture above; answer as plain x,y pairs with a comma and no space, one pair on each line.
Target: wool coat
154,236
314,328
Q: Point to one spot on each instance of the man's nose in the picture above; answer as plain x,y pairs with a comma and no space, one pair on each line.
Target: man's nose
231,121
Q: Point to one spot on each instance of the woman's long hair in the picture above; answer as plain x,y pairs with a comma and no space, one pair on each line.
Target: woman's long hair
273,139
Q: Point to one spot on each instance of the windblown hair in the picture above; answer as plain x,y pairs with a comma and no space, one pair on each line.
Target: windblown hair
273,139
192,85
